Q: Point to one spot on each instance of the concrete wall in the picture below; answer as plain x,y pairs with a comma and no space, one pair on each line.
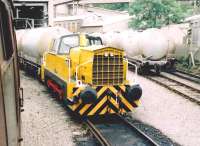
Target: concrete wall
61,10
197,56
117,26
50,12
73,25
30,1
105,11
61,1
92,1
195,36
48,6
92,29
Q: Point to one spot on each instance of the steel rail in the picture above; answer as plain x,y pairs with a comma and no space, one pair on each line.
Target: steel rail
171,87
97,134
188,76
103,139
192,75
133,127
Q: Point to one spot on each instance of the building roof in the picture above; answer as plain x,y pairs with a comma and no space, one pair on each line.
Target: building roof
98,9
56,2
103,20
93,18
30,1
69,18
192,18
102,1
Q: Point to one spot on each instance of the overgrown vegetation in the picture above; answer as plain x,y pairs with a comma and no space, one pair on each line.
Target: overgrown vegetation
156,13
115,6
152,13
187,9
186,65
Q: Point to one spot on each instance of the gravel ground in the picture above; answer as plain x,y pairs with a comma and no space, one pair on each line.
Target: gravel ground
45,122
173,115
155,134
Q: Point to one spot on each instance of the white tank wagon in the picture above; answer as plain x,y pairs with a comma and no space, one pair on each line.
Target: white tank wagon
155,47
154,44
175,37
19,34
122,40
32,43
149,49
112,39
132,46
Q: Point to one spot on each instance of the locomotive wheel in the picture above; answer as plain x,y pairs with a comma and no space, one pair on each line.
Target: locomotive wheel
142,70
168,66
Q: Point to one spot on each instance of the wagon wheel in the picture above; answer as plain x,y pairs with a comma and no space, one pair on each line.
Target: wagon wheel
157,69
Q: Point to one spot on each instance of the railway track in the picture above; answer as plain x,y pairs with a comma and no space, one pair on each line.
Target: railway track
187,76
182,88
117,132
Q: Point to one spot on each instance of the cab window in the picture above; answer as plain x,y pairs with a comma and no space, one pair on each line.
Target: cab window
55,46
93,41
67,43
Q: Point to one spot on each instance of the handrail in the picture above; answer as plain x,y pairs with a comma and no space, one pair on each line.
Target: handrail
69,74
136,68
77,67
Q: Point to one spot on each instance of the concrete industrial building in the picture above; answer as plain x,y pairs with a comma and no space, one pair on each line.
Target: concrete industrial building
32,13
83,17
44,12
92,19
69,14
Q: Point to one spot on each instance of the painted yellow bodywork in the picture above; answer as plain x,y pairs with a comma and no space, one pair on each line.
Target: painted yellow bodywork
106,110
58,65
77,59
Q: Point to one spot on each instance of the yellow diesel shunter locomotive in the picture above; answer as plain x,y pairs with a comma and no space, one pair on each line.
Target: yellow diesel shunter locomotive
88,77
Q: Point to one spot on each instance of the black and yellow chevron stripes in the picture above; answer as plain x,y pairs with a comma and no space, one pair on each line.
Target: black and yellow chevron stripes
110,99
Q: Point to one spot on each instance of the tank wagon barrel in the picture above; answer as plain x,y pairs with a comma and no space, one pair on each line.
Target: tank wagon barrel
150,49
88,77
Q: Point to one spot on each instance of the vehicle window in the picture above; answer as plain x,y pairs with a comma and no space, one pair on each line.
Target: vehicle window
93,41
67,43
55,46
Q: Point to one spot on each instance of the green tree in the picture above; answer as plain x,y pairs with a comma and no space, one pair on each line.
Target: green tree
154,13
114,6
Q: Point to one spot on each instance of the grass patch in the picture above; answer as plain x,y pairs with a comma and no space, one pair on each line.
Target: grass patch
185,64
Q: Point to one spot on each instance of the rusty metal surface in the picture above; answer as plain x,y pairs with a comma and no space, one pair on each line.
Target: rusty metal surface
9,79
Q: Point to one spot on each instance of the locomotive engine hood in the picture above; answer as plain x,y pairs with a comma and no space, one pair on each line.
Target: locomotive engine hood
99,65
